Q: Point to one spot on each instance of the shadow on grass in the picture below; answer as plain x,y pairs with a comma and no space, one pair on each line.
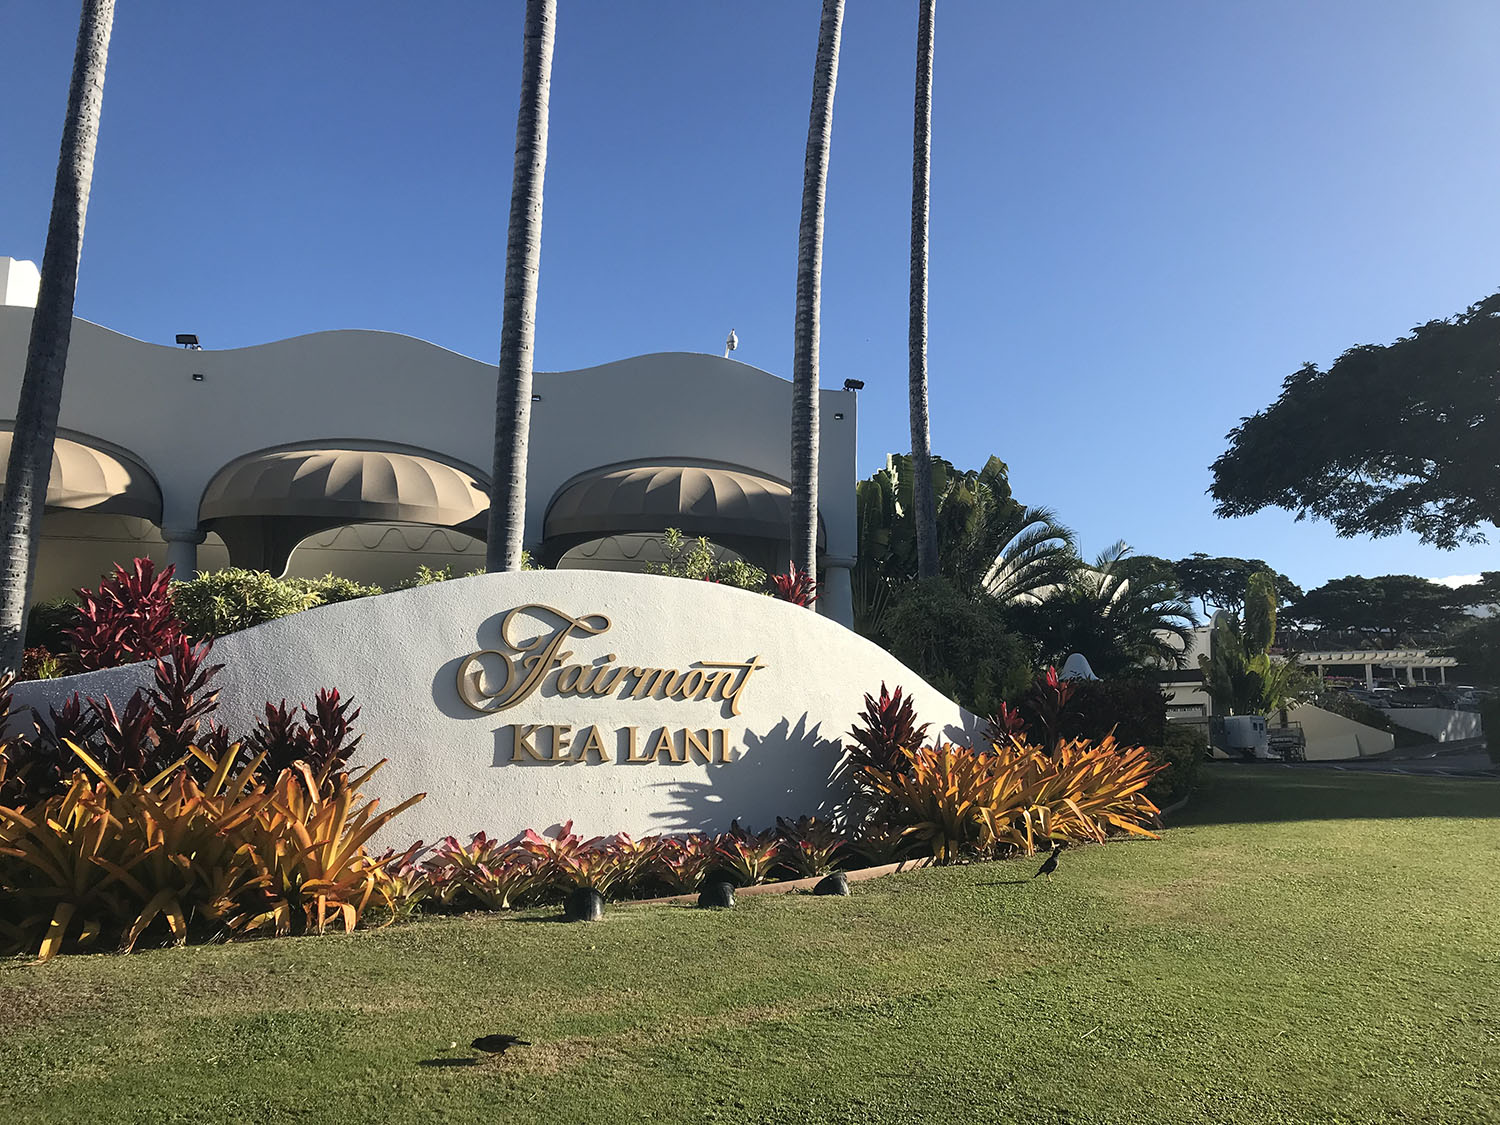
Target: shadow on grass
448,1062
1232,794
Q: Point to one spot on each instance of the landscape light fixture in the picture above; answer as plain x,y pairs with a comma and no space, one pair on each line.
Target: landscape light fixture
730,343
188,341
854,384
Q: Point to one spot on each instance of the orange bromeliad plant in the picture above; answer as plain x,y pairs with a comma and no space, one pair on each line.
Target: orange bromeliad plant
111,856
1015,797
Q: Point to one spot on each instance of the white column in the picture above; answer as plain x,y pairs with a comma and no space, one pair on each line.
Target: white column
836,593
1442,674
182,550
1369,675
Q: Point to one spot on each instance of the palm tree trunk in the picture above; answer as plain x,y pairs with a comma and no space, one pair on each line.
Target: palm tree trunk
916,387
804,530
30,466
523,255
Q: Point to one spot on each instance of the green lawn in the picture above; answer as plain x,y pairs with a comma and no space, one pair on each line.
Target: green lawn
1305,946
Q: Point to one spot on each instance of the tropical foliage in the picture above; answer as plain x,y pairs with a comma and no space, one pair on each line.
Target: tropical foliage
987,541
220,602
1123,624
795,586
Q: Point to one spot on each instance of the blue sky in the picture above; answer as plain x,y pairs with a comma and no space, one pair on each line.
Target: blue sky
1144,216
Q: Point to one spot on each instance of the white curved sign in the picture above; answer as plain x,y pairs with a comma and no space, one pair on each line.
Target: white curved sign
617,701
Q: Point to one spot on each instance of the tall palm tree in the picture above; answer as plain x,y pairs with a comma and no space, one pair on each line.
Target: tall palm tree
523,257
916,379
30,468
804,530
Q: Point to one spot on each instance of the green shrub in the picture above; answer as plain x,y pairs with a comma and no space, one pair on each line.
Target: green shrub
696,559
45,625
427,575
225,601
331,589
1182,747
958,644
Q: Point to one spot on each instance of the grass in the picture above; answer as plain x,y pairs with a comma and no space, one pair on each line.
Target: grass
1303,946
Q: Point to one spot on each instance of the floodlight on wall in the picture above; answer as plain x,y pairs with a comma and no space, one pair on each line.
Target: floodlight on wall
197,376
730,343
854,384
188,341
536,398
839,417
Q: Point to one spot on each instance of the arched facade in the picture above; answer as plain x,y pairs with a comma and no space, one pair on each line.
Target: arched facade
238,444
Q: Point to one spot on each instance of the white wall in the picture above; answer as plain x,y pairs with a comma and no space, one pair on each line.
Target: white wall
399,655
1440,723
1331,737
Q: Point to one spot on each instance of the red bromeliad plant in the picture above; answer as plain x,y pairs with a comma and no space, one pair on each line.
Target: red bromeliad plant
330,741
633,856
129,618
1049,698
406,884
325,741
280,736
129,746
598,867
887,731
181,699
795,586
1006,725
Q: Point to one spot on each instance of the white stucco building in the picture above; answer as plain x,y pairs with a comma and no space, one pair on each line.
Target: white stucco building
366,454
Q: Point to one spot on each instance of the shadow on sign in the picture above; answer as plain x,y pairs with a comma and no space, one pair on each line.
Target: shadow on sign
789,769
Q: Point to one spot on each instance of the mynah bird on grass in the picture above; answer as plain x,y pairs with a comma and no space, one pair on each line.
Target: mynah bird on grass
1051,865
497,1044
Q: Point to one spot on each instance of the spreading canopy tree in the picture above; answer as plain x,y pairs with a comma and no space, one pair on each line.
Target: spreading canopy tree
1220,583
1395,607
1397,437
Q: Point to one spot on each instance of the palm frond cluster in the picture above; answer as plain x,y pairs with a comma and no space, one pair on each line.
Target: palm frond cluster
1023,563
